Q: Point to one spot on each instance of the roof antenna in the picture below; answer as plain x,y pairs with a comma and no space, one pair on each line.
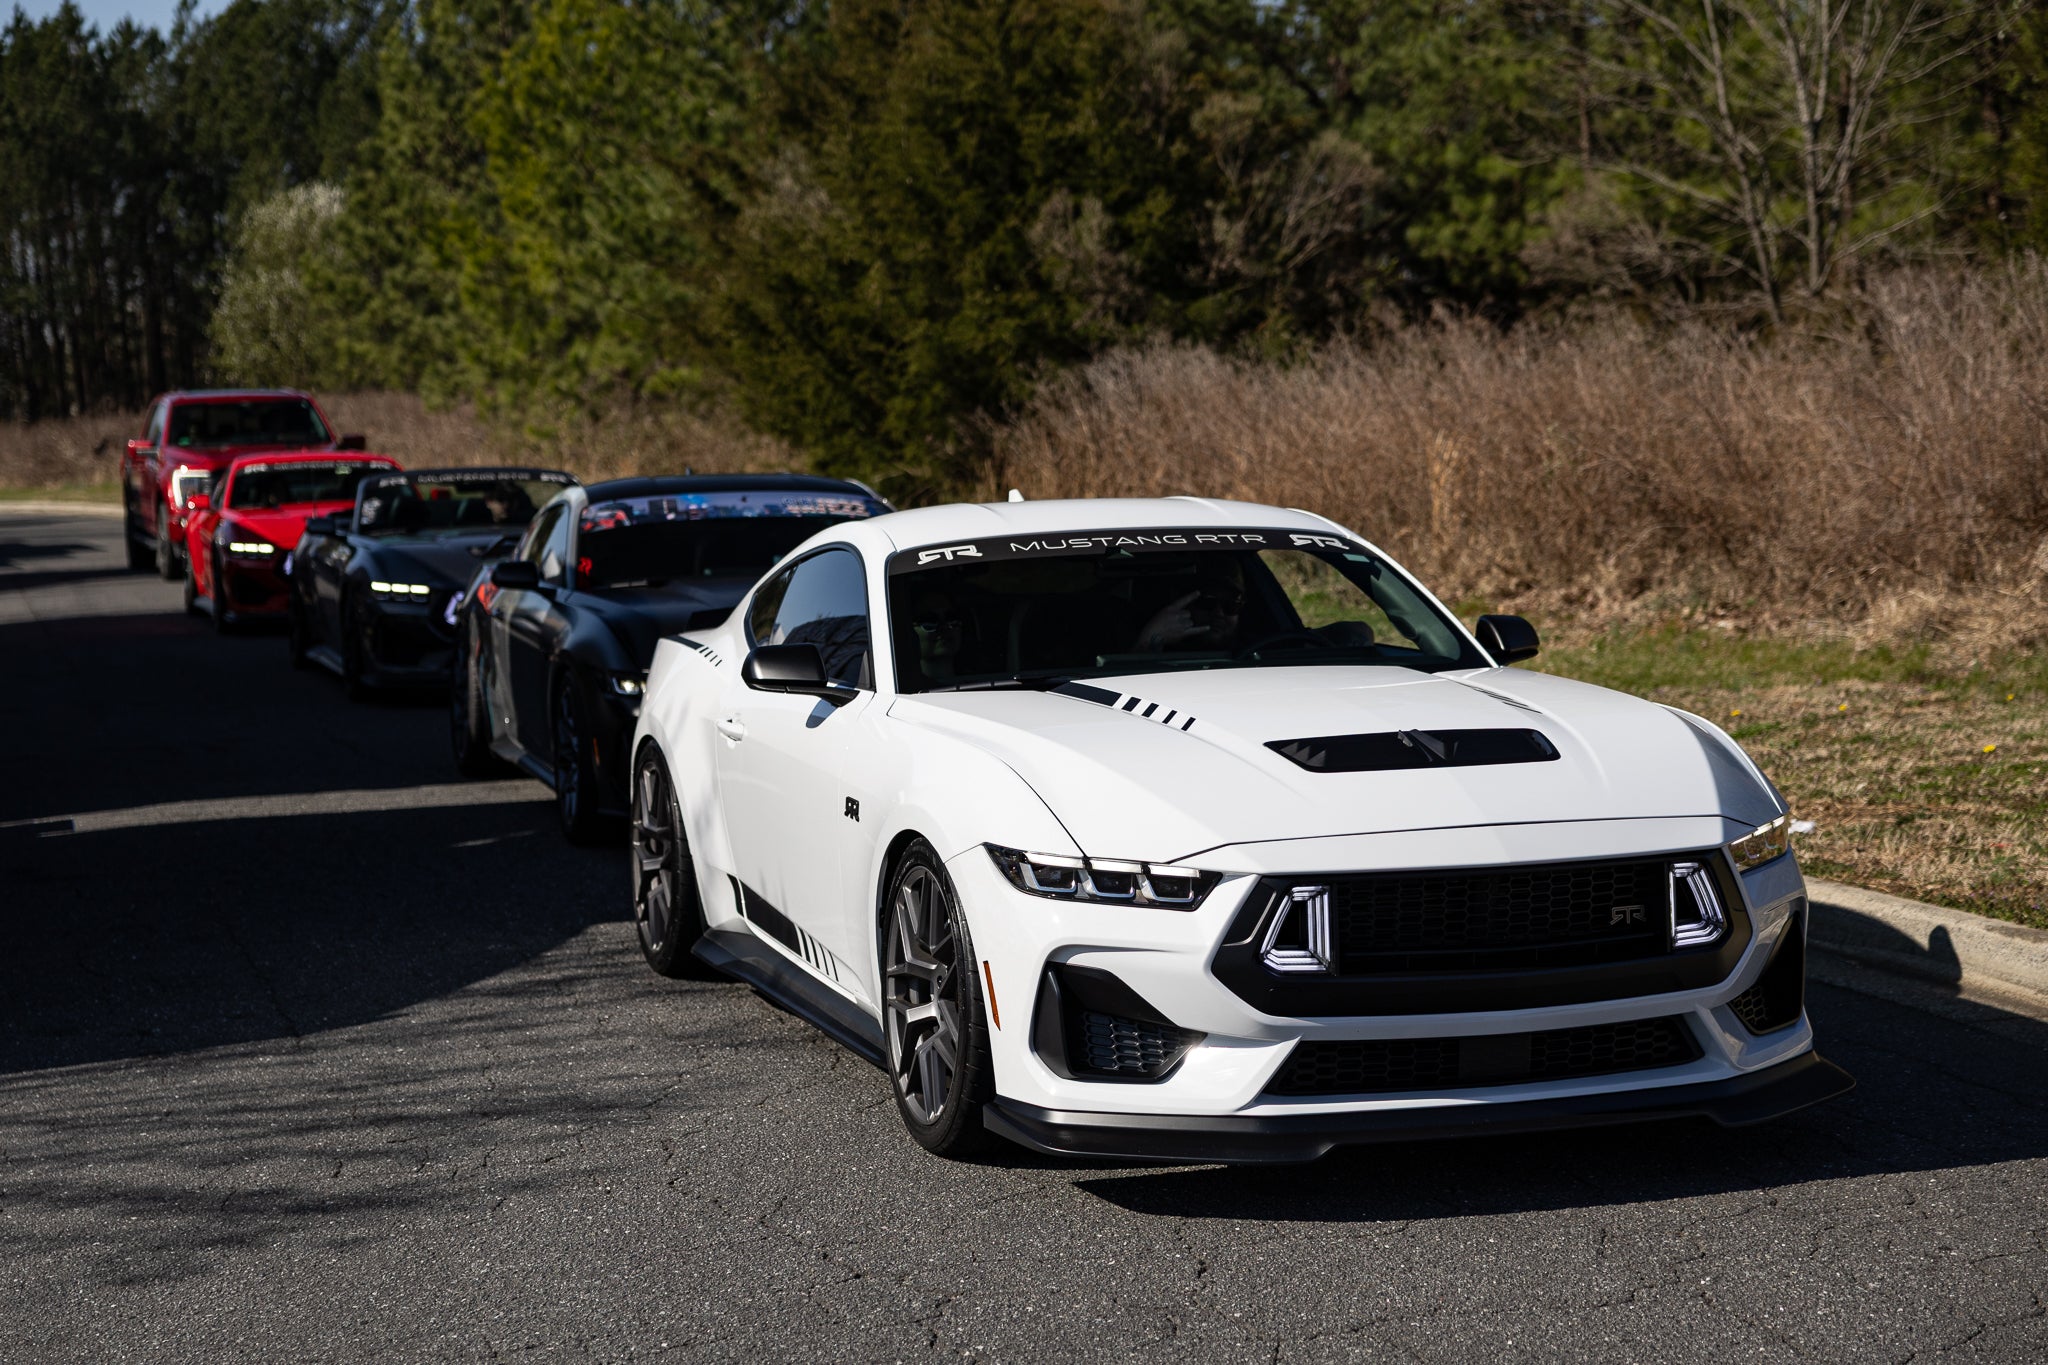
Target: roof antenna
1016,495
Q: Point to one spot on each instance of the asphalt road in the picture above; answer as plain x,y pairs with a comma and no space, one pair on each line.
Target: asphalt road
309,1053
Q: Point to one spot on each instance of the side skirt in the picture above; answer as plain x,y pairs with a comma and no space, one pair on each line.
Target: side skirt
745,957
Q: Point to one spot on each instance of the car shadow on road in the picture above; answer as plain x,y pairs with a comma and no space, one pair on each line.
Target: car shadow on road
1932,1094
179,936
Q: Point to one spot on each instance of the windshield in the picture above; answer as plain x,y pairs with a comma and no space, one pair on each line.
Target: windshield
1011,610
647,541
456,503
250,422
301,481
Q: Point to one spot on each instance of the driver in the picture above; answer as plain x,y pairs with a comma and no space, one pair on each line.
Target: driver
509,505
939,628
1208,617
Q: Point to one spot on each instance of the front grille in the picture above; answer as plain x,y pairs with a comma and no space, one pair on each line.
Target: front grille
1467,920
1389,1065
1116,1046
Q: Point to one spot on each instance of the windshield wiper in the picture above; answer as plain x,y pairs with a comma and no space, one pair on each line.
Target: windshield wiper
1023,684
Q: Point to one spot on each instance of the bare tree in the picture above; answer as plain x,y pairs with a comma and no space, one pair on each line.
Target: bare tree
1783,139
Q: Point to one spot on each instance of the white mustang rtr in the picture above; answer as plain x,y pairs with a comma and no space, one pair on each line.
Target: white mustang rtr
1185,829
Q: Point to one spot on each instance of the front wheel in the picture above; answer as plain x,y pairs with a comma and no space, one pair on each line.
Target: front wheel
141,556
666,909
297,639
469,728
355,630
574,744
937,1034
168,560
223,620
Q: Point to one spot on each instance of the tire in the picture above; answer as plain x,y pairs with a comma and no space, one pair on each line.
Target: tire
296,636
191,593
667,912
223,619
469,729
576,789
169,563
939,1065
141,557
353,628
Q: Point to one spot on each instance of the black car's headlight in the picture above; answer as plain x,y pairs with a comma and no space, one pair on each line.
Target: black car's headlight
1762,844
1059,876
628,684
399,592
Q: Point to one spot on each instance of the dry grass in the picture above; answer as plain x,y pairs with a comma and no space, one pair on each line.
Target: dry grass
81,456
1891,482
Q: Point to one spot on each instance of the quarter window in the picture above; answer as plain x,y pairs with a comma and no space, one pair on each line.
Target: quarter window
821,600
530,546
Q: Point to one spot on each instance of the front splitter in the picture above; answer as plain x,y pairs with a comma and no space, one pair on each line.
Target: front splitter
1242,1138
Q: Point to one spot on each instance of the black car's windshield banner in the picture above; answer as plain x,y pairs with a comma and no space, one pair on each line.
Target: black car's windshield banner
491,474
1142,540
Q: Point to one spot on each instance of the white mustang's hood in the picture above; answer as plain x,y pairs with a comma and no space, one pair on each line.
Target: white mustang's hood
1185,768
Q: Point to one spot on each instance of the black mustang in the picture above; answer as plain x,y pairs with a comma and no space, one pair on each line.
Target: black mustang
555,640
374,591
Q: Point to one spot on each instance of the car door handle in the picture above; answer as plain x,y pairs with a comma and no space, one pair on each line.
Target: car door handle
732,729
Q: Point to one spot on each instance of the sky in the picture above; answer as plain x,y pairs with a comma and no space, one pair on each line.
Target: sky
105,14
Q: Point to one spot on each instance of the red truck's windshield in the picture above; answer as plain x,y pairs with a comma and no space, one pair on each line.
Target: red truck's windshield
247,422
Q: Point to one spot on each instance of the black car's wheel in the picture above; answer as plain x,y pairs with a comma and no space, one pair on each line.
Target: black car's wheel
223,619
297,638
666,909
169,563
355,630
574,743
469,728
931,1009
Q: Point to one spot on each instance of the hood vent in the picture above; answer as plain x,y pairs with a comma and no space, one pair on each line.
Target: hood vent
1394,750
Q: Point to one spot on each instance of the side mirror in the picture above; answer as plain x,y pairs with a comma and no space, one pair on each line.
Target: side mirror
353,441
517,574
1509,639
137,446
198,502
791,668
320,526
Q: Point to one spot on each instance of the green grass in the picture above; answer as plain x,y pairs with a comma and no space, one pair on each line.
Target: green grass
1925,772
108,491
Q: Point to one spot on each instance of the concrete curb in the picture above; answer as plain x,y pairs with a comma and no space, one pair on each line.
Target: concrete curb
45,508
1930,942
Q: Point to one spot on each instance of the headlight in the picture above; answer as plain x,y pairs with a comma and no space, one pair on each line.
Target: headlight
253,549
399,592
1762,844
629,684
1060,877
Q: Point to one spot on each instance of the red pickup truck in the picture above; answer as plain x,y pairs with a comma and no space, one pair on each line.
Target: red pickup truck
189,437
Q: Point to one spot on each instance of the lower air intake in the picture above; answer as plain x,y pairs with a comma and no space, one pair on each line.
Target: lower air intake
1390,1065
1778,998
1113,1046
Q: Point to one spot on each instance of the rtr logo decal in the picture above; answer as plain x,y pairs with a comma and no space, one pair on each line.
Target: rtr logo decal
1626,914
1321,542
947,552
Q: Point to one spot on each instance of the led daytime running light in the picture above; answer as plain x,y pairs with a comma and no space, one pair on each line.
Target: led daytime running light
399,591
255,548
1060,876
628,684
1762,844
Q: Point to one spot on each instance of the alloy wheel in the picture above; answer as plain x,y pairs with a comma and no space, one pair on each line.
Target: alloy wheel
568,736
923,996
661,859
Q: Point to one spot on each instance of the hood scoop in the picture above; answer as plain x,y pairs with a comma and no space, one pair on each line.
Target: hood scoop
1396,750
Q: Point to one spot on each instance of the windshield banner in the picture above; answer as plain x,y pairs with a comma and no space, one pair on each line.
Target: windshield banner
1141,540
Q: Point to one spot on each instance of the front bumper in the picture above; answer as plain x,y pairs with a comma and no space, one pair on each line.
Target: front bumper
1228,1089
1752,1097
252,589
410,643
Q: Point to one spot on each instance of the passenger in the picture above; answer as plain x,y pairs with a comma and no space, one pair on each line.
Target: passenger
1206,618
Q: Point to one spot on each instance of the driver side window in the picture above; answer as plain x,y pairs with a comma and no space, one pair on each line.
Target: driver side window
533,544
155,434
822,600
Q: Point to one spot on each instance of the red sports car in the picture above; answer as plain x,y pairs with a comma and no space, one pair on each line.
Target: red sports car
241,531
189,437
